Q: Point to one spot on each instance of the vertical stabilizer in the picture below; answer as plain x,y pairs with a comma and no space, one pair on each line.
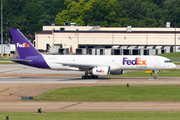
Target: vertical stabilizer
23,46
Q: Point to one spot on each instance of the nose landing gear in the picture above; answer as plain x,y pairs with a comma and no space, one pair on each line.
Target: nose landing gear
155,75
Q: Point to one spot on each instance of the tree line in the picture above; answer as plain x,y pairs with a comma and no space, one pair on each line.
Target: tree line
30,15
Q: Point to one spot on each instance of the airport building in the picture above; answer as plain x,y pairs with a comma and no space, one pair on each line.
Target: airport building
107,40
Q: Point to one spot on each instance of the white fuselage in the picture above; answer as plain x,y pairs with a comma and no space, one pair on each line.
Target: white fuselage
96,65
115,63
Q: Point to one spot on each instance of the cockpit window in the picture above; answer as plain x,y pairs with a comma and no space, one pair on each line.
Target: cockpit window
167,61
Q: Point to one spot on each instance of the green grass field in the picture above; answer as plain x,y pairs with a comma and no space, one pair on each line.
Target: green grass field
174,57
170,55
141,73
92,116
6,60
113,93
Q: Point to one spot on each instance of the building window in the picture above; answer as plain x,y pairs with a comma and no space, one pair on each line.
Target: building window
70,37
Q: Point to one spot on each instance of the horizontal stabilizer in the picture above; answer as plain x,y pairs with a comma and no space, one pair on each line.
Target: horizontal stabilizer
21,60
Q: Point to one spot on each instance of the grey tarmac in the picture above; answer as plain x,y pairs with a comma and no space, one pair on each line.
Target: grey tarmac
32,106
18,80
101,80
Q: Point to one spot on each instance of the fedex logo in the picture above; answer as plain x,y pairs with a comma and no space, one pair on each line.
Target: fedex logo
136,61
100,71
24,45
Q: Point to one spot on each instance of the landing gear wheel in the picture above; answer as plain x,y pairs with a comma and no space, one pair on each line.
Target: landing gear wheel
155,77
92,77
95,77
83,77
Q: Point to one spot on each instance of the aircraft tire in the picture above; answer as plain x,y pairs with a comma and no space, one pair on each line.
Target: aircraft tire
92,77
96,77
155,77
83,77
89,77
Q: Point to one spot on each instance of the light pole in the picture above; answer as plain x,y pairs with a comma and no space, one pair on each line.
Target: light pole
1,28
175,31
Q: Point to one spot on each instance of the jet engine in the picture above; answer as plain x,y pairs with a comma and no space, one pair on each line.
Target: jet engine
101,71
118,72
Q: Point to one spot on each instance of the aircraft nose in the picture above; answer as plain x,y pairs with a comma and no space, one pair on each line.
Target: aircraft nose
173,66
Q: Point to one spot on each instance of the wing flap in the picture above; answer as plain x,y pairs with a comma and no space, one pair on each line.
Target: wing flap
77,65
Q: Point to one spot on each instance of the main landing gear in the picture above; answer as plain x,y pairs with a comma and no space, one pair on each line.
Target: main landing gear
89,77
86,76
155,75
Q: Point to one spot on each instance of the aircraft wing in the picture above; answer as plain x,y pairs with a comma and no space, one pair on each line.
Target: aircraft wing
77,65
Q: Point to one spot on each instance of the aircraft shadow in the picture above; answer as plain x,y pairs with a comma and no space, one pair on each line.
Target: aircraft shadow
100,78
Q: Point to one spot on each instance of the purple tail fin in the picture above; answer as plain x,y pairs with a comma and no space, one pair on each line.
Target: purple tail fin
23,46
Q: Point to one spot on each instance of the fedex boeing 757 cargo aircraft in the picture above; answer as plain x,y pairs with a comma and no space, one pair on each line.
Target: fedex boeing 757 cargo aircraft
93,65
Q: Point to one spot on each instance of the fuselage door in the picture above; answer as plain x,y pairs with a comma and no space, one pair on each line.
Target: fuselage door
158,64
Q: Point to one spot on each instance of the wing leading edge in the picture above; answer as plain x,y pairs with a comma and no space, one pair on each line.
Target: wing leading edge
77,65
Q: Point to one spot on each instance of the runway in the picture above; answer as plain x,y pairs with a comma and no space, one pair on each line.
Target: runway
23,74
32,106
44,80
101,80
18,80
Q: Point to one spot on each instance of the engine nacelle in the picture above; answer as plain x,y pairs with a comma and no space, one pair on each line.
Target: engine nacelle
101,71
118,72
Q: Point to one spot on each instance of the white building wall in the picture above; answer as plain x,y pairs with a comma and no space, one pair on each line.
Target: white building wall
43,39
129,38
67,40
178,39
73,39
160,39
68,28
137,29
90,28
113,28
95,38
